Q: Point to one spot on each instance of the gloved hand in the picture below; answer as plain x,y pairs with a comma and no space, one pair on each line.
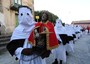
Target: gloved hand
27,51
45,54
37,50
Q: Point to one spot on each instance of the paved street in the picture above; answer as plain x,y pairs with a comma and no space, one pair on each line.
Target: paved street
81,54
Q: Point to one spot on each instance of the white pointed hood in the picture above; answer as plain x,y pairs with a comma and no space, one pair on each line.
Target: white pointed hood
59,29
26,24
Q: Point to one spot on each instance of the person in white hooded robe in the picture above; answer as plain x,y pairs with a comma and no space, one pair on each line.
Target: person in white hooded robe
77,31
60,52
19,45
70,45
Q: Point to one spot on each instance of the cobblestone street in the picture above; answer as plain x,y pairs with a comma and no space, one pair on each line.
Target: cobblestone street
81,54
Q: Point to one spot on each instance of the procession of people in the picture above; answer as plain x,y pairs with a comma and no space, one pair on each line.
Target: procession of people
32,42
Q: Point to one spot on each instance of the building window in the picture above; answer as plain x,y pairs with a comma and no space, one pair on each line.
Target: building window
18,2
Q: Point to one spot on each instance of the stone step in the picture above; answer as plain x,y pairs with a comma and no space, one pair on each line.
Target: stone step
3,43
4,39
2,49
3,46
5,36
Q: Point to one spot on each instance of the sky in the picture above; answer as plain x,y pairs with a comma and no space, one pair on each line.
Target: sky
66,10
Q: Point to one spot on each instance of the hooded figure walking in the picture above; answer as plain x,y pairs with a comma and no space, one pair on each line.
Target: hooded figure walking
18,44
60,52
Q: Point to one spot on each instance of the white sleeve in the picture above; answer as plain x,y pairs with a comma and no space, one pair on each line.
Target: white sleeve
58,37
18,52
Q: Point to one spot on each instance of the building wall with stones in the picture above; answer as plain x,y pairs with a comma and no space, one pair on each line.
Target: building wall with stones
8,15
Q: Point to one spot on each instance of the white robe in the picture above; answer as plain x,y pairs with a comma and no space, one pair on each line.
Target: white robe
22,31
59,52
26,59
69,46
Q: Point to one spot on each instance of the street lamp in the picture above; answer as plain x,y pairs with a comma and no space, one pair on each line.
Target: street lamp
37,17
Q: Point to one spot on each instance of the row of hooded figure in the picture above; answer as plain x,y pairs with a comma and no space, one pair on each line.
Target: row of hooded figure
33,42
66,35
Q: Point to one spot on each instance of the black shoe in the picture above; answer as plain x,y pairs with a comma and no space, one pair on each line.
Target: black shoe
55,62
60,61
66,53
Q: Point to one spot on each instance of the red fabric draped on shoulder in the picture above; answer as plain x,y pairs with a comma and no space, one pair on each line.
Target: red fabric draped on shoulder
52,41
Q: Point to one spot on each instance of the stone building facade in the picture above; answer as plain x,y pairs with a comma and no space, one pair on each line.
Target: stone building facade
8,13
